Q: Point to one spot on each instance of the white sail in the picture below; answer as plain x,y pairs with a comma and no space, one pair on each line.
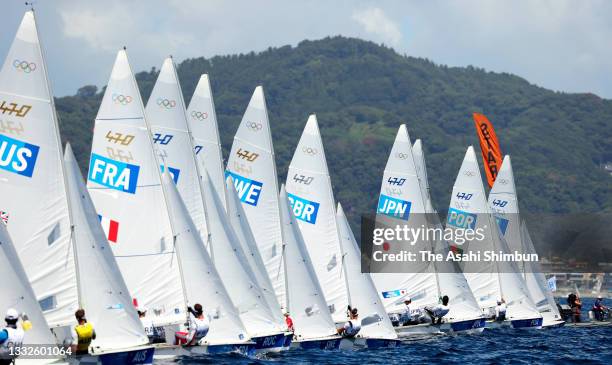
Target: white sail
172,141
16,292
401,203
451,281
537,283
360,287
503,201
310,193
32,191
103,293
230,261
124,184
202,121
252,167
305,300
202,281
238,221
490,280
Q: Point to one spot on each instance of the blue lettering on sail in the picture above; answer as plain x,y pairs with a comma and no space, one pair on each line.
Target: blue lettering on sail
393,207
248,190
460,219
113,174
17,156
173,172
303,209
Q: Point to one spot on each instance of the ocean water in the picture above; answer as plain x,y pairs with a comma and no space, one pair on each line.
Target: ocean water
566,345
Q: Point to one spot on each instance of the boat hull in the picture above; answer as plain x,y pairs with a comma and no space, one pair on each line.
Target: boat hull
165,351
137,356
522,324
318,344
271,343
468,326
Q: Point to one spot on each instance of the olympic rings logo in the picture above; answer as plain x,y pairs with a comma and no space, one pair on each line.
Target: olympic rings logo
165,103
122,99
254,126
401,156
24,66
469,173
503,181
199,115
310,151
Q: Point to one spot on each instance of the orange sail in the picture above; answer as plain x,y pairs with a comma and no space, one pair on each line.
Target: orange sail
489,145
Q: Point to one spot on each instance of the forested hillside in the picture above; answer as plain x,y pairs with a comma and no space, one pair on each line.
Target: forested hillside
361,92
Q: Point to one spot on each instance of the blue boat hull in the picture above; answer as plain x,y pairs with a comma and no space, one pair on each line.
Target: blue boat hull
527,323
470,324
276,342
134,357
328,344
374,343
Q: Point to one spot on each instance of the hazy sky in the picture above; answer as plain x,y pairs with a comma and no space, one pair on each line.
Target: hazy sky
559,44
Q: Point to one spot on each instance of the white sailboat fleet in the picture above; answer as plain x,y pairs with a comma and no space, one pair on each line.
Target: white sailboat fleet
167,227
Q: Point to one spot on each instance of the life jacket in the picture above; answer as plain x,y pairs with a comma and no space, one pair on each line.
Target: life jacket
15,339
85,335
201,327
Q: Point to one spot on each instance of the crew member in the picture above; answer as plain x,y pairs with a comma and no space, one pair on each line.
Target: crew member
352,327
500,310
599,309
289,322
576,305
437,312
82,334
10,337
199,324
406,317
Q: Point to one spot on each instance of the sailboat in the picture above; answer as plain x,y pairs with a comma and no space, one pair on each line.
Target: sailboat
503,202
376,328
17,293
404,201
314,326
50,218
252,166
124,181
490,280
173,144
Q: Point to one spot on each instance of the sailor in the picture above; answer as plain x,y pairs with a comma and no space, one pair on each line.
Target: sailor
82,334
406,316
599,309
437,312
500,310
289,322
199,324
576,305
352,327
10,337
155,334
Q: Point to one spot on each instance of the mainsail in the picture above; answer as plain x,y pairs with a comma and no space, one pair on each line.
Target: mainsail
490,281
32,190
202,121
401,203
17,293
124,184
252,166
310,193
102,290
360,287
503,201
172,141
305,300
